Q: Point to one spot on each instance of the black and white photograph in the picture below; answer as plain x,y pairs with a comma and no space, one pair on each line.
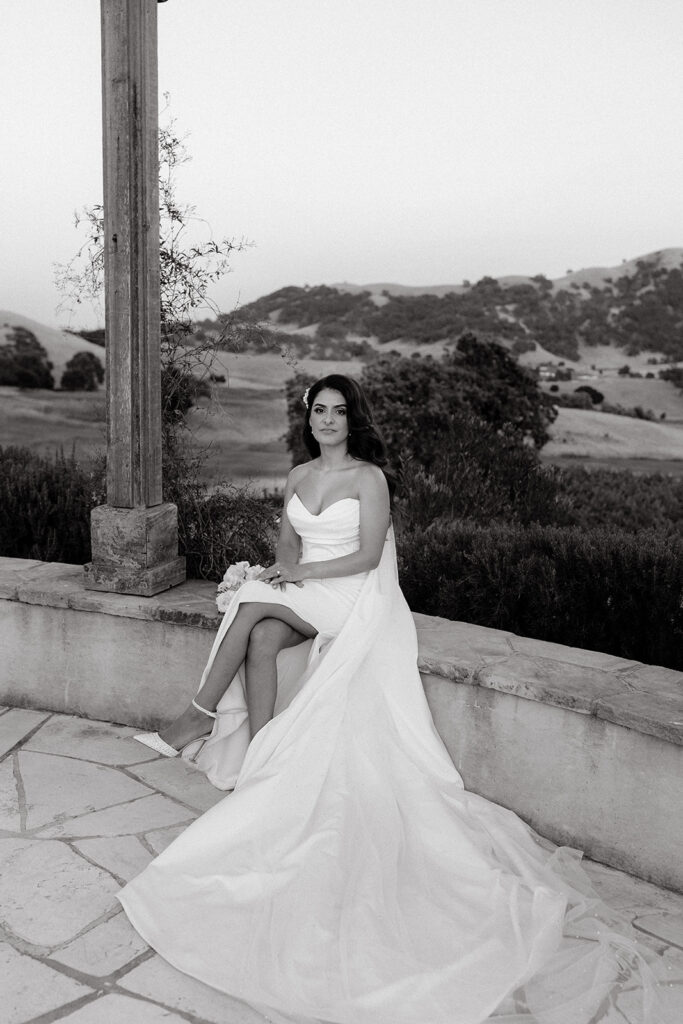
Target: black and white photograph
341,512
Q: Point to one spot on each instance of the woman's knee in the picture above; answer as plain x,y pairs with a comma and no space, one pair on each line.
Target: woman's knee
267,636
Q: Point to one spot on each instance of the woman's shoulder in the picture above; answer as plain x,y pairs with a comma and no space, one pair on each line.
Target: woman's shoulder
371,477
299,473
369,470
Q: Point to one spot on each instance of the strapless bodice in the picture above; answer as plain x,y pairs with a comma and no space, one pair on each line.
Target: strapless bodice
334,532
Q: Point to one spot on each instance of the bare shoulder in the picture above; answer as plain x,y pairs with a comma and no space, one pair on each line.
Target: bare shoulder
371,479
294,478
298,473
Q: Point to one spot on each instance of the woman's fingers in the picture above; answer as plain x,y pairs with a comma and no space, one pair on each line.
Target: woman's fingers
269,574
276,575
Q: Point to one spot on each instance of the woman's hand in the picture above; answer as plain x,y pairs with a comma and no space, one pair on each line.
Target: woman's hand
282,572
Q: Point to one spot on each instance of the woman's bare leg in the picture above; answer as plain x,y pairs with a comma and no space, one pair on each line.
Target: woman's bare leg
266,640
230,655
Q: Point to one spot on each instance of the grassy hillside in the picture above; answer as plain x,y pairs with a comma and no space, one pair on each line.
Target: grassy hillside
583,432
595,320
660,396
635,308
242,425
47,421
59,345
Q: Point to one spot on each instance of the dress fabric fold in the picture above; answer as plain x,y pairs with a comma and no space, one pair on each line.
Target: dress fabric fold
349,877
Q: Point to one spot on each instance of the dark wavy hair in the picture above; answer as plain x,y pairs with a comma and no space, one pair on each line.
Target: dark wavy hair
364,440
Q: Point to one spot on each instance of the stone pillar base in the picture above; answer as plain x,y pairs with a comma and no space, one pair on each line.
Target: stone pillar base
134,550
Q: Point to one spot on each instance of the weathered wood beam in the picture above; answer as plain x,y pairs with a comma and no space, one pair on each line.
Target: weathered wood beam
131,232
135,535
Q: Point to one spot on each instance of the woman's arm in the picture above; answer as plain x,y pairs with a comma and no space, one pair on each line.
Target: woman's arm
288,547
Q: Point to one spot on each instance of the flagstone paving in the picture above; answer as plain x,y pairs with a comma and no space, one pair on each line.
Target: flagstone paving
82,810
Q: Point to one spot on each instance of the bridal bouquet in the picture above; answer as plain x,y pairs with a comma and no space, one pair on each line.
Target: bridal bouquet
235,576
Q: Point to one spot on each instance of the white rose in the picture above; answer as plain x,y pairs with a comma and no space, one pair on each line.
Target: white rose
233,577
223,600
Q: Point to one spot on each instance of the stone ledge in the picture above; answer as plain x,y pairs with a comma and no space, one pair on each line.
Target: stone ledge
60,585
644,698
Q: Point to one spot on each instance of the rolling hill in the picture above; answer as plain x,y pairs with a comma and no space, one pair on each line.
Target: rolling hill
59,345
634,308
593,276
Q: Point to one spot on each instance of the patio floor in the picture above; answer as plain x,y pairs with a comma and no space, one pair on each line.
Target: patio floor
82,810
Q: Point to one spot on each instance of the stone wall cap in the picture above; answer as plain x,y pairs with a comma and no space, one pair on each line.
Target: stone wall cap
645,698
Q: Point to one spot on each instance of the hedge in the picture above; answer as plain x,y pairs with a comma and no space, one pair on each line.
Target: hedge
46,506
604,590
601,588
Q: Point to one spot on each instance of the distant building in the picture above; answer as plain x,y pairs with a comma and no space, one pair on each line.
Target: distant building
553,371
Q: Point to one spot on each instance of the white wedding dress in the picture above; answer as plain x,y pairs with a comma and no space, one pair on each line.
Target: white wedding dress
349,877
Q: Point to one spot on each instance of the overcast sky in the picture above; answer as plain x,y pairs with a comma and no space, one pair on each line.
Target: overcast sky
412,141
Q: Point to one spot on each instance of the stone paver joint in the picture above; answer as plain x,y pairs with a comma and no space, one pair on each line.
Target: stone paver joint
68,949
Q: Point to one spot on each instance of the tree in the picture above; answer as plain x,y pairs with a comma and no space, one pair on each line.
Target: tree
188,270
595,396
482,475
460,432
412,399
83,372
24,362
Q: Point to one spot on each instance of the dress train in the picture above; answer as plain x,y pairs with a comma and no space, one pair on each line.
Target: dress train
350,877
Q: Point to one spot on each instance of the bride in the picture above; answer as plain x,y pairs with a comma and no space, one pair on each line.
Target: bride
349,877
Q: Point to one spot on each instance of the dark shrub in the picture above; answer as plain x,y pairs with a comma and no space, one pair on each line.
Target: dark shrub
180,390
627,501
24,362
572,400
605,590
521,345
224,527
294,391
595,396
46,506
673,374
217,529
412,399
479,474
83,372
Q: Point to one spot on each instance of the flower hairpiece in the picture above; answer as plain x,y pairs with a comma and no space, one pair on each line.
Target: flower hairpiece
304,397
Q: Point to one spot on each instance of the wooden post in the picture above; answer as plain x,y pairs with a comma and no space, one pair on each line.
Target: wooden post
135,535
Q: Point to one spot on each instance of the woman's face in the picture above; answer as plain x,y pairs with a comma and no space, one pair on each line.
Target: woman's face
328,420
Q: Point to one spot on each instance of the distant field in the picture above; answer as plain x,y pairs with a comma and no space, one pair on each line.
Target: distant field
661,396
668,467
601,435
242,426
47,421
272,369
